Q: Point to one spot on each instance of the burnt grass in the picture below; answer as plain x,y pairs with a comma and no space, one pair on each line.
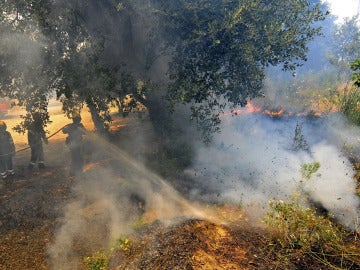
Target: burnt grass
31,207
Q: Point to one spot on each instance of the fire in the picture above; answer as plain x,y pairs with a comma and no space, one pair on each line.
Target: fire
252,108
280,112
277,113
249,108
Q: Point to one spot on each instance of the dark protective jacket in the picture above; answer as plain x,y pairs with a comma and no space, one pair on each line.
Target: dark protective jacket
7,146
75,132
35,135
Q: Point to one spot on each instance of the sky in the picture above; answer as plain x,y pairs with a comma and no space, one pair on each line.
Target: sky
343,8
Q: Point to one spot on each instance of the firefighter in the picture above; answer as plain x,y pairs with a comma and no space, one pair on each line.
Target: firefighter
74,141
36,137
7,150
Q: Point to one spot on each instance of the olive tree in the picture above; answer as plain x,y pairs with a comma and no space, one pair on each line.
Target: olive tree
221,49
209,54
346,43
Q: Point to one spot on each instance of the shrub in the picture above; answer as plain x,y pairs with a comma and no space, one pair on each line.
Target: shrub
98,261
296,227
123,244
298,237
350,104
308,169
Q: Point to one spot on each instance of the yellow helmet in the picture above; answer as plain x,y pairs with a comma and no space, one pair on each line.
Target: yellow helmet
2,124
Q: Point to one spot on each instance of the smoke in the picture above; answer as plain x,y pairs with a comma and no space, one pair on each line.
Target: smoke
21,56
108,200
249,163
252,161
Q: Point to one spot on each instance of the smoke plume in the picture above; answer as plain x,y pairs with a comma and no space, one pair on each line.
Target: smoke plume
108,200
253,161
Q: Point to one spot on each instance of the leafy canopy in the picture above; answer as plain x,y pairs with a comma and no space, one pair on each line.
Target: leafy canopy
221,49
95,52
346,43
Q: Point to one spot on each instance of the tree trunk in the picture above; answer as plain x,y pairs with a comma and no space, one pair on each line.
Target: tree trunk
96,118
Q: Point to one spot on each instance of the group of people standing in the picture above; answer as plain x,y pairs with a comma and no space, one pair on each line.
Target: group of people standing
36,137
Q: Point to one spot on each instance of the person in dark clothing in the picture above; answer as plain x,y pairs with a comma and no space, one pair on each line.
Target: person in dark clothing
36,137
7,151
74,141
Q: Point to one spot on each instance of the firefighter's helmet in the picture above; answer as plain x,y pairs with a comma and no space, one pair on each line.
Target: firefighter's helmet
2,125
76,118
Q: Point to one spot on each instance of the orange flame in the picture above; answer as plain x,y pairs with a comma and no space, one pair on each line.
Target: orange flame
249,108
279,112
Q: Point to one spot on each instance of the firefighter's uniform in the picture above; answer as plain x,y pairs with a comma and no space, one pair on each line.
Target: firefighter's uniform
74,141
7,150
36,137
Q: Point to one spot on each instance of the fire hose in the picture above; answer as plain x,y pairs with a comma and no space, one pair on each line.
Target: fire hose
28,147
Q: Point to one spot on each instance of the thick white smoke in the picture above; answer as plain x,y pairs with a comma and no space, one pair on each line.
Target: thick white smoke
108,200
253,161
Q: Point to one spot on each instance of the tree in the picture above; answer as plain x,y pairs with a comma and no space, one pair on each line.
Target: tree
220,55
346,46
75,60
96,52
23,56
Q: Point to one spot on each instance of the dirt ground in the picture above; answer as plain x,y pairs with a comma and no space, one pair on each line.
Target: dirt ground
31,207
30,203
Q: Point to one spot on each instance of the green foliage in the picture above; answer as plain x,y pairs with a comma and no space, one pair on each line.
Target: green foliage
123,244
36,105
308,169
355,67
346,46
350,104
224,47
297,233
350,99
217,50
98,261
295,227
